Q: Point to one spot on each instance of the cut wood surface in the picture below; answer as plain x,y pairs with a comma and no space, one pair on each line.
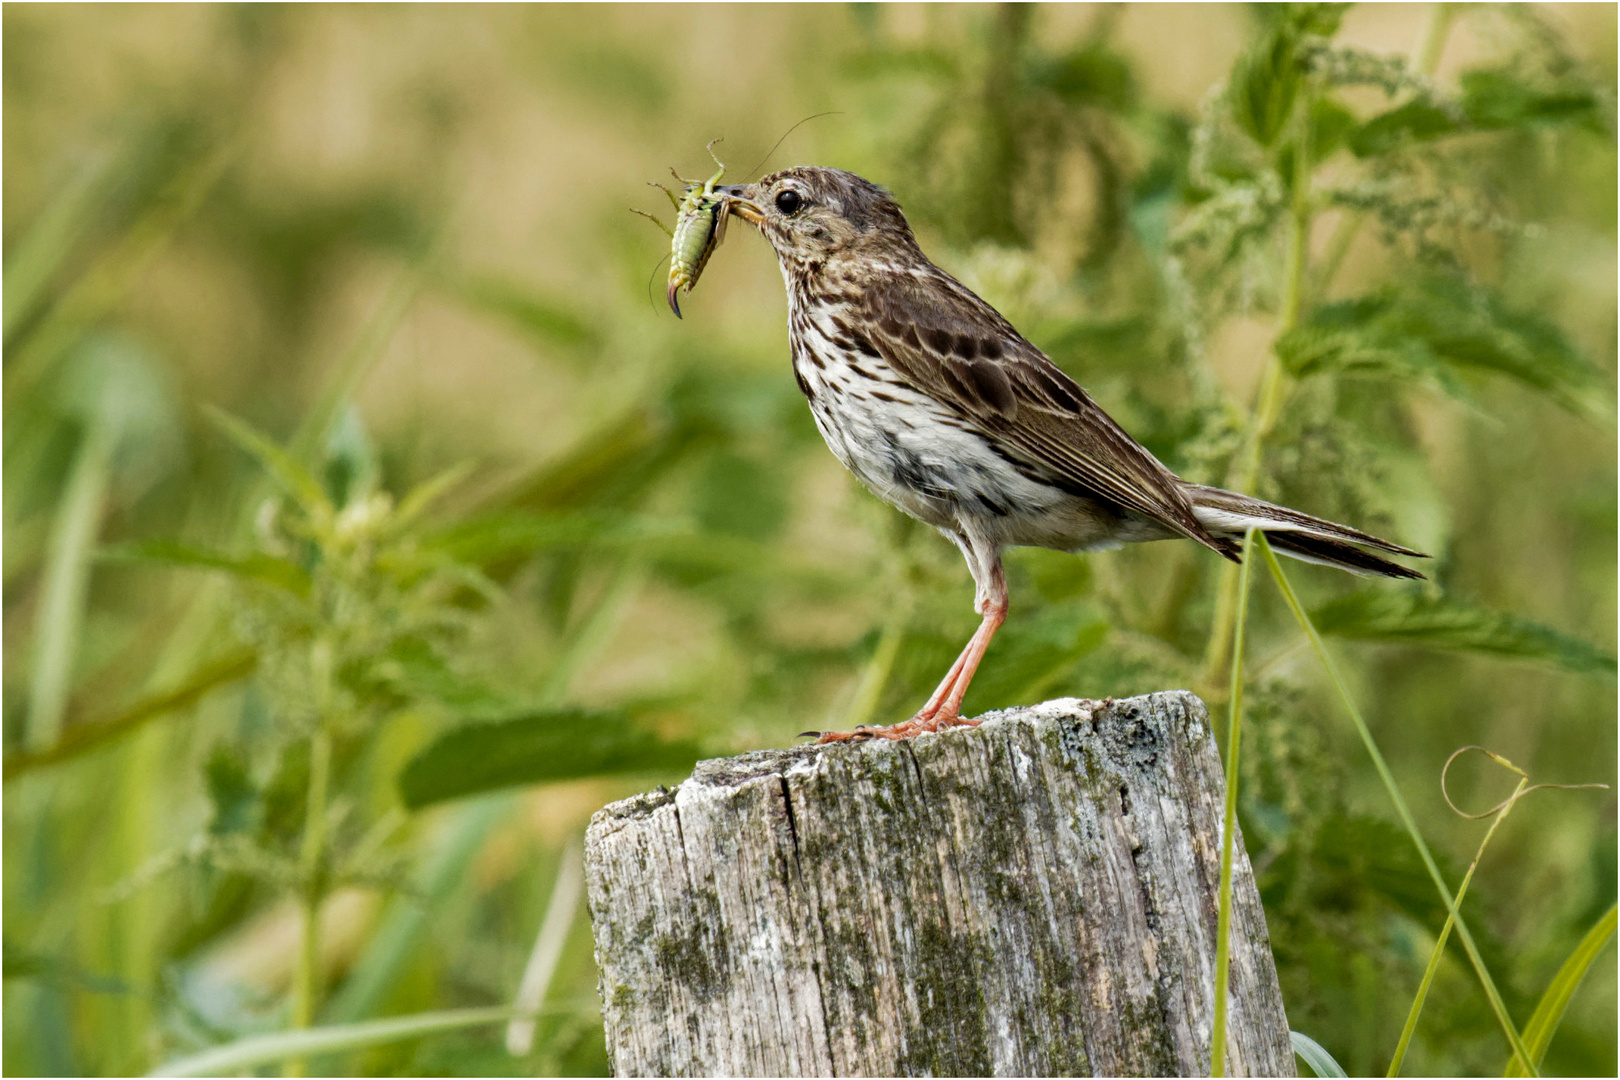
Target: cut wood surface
1032,896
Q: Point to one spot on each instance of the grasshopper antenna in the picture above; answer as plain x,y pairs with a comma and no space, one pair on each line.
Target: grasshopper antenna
785,134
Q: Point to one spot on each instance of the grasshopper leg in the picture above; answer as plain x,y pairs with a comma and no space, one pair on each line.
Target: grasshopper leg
655,221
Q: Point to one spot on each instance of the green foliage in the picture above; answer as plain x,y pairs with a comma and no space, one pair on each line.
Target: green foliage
1439,331
1413,618
645,553
1320,1061
1550,1010
533,749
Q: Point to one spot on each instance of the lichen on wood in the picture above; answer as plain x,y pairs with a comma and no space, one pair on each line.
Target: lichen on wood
1032,896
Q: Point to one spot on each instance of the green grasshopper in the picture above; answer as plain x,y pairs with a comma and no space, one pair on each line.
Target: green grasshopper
700,226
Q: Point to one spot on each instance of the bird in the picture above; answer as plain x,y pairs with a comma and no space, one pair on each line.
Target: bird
941,408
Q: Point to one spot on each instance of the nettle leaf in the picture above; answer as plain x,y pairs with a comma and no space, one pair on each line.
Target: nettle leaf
1323,348
1265,84
1415,121
1411,618
256,567
1436,330
1490,100
1331,125
1498,98
537,748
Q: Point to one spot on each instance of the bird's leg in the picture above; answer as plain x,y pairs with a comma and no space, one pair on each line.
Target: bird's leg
944,708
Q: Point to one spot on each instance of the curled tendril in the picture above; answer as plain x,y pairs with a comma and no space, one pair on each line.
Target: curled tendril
1522,790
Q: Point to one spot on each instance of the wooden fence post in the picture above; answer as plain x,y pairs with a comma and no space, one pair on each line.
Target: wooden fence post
1033,896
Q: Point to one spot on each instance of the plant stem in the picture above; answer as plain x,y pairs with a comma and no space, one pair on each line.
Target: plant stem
1269,398
306,985
1432,42
1445,933
1223,924
1401,808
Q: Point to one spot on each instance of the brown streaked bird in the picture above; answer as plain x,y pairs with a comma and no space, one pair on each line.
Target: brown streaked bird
943,410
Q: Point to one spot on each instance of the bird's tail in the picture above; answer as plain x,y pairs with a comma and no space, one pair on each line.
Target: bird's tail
1229,515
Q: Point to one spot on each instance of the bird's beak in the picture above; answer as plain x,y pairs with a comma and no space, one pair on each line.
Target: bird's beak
743,205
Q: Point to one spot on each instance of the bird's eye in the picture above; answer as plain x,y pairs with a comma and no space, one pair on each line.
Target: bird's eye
789,201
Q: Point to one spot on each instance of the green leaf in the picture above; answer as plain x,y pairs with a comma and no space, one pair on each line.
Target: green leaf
1411,618
1498,98
503,534
1314,1055
1491,100
1539,1032
1321,348
534,749
1265,84
1331,126
255,1050
292,476
1436,330
257,567
84,735
1415,121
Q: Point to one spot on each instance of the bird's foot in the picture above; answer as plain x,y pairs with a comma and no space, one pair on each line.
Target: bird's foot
918,725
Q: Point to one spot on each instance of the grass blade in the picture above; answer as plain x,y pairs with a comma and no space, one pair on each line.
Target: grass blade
257,567
46,244
405,919
1399,800
67,579
1445,933
1223,924
259,1050
1315,1055
1539,1032
548,946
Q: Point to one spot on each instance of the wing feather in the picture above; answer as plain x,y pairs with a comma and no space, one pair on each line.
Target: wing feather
960,351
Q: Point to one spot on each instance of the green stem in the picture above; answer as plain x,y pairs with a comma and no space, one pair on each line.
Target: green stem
306,984
1445,933
1272,393
1432,43
1223,924
1401,808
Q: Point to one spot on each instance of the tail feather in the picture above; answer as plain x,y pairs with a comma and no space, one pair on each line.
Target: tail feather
1299,535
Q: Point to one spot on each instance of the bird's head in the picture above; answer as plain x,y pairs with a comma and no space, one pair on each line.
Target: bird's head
813,216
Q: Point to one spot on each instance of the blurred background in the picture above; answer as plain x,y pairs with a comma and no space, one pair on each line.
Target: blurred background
271,269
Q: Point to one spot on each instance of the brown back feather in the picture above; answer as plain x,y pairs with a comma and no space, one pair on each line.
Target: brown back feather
960,351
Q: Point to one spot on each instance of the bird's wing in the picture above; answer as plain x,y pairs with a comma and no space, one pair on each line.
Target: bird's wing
960,351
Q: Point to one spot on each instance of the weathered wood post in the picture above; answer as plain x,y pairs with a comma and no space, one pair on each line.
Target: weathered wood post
1034,896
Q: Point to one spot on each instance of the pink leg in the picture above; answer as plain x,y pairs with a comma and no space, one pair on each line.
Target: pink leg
944,708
